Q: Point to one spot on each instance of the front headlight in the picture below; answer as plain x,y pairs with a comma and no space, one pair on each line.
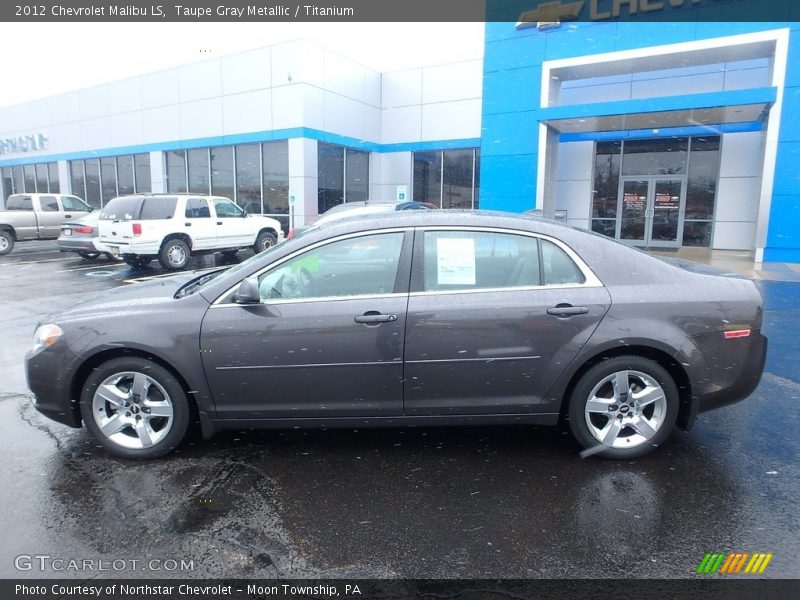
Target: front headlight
45,336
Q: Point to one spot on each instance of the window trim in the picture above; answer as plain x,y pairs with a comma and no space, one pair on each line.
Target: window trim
404,266
417,273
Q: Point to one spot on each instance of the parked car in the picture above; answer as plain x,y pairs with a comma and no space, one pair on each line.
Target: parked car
423,318
358,208
173,227
37,217
79,235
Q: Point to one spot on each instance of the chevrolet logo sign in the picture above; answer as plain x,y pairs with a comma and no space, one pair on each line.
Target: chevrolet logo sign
550,13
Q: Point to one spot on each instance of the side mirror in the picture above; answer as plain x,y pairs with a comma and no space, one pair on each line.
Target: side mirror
247,292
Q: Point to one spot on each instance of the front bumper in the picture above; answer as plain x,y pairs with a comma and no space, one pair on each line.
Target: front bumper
50,382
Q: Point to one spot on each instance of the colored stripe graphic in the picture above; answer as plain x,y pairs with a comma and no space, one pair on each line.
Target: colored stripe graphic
730,564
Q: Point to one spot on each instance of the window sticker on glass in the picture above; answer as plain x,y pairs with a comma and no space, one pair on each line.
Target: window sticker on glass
455,261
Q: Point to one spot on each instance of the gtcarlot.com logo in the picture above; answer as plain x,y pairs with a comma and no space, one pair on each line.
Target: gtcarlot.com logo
732,563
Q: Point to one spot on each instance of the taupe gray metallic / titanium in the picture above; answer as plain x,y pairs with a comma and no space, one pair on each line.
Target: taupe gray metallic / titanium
624,354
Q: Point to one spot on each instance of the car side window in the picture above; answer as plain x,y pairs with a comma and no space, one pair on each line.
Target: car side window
48,203
197,208
358,266
71,203
472,260
226,208
559,268
19,203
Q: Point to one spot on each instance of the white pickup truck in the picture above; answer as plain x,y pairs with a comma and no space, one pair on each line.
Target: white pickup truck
37,217
173,227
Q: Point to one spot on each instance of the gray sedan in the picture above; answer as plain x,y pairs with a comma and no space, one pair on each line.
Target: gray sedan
417,318
79,235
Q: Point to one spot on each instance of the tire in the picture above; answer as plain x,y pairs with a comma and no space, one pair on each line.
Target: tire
123,421
6,242
137,262
89,255
618,426
174,254
113,258
230,253
265,239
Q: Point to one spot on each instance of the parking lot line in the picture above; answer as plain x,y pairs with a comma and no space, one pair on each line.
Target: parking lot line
160,275
111,266
30,262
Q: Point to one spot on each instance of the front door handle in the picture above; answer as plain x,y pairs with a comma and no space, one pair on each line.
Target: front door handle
67,216
373,317
219,222
567,310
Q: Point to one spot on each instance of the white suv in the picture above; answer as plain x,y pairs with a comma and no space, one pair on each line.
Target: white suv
173,227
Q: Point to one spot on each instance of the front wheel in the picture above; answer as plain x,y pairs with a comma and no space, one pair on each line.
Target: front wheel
264,240
174,254
136,408
623,407
6,242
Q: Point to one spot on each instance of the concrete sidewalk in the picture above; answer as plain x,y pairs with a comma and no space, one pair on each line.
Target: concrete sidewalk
737,261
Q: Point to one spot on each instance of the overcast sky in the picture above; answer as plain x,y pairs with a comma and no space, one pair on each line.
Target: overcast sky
43,59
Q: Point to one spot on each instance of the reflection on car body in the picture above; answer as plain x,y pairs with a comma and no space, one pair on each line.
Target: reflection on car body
428,317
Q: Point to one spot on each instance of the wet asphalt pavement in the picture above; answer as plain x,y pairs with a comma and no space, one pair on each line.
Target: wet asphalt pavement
422,502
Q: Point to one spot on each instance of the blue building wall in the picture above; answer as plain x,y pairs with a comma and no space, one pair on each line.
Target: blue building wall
512,110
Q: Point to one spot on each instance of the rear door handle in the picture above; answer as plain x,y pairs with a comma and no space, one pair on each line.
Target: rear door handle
567,310
67,216
375,317
219,222
188,224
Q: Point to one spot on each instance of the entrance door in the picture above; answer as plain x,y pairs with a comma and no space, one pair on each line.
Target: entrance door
651,211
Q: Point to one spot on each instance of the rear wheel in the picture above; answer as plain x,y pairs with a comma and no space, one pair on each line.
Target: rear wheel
137,262
623,407
89,255
136,408
6,242
174,254
264,240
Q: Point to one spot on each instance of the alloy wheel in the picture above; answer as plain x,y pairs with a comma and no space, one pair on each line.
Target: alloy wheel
626,409
132,410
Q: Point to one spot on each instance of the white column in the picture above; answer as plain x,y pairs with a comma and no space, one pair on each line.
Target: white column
303,179
64,179
158,179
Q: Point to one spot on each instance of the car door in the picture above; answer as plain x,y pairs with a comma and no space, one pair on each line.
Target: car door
74,207
326,340
234,230
199,223
494,317
50,216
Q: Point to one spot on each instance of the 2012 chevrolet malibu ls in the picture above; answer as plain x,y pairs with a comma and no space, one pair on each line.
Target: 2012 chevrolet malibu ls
434,318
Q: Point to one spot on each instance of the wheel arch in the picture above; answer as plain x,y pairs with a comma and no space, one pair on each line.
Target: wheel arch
85,369
176,235
10,229
687,409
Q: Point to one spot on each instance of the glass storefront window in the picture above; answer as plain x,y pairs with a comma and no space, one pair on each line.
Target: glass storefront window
197,165
655,157
248,178
78,178
52,175
141,164
19,180
176,171
222,172
93,195
330,163
30,178
125,175
275,160
41,178
108,178
8,183
356,175
457,188
428,177
606,187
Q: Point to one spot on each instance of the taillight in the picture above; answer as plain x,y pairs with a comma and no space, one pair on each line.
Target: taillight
83,229
137,229
290,235
740,333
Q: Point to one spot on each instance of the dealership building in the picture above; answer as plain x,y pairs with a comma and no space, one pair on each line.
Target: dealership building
659,134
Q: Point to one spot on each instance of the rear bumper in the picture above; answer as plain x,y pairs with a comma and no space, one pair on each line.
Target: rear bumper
143,248
743,362
76,245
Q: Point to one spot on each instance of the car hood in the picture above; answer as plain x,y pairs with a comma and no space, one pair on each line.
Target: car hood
127,301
